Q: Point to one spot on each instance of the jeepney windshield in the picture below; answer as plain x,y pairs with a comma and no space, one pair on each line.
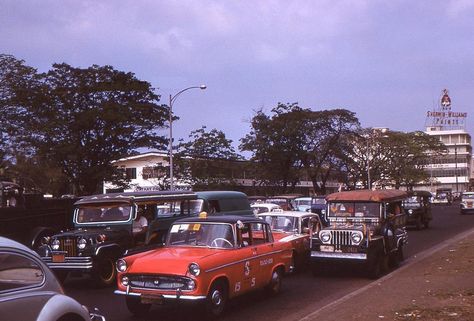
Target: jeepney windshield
215,235
353,209
467,196
281,223
101,213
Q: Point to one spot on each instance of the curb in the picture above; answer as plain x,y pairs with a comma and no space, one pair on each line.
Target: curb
408,263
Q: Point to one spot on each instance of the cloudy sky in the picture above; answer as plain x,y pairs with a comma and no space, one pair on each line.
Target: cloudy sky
386,60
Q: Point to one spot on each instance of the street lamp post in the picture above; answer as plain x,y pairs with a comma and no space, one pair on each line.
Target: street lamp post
172,100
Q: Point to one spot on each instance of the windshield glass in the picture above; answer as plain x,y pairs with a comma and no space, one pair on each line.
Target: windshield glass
260,209
201,235
320,201
468,196
281,222
303,202
101,213
351,209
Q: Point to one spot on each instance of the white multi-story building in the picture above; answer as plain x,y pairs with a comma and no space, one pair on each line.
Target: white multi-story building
453,170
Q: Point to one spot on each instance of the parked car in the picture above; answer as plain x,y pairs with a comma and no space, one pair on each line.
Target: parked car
30,291
264,207
365,226
467,202
108,225
417,206
318,206
209,259
302,204
294,227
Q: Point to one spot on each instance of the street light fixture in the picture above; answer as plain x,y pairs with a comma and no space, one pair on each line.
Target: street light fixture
172,100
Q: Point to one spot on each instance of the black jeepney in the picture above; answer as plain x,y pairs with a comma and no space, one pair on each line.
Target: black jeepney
417,206
105,227
365,226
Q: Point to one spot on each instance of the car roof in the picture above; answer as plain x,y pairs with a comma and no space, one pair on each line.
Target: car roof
231,219
6,242
383,195
287,213
129,197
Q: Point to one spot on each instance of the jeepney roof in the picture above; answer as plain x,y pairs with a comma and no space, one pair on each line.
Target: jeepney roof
384,195
231,219
129,197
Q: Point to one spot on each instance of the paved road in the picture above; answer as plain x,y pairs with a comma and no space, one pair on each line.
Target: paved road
301,293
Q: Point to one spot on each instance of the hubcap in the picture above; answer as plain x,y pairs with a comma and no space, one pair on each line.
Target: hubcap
216,297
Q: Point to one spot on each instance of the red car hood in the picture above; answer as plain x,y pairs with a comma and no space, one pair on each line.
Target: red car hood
170,260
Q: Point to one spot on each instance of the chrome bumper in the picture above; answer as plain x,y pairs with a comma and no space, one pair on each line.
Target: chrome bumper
165,296
338,255
70,263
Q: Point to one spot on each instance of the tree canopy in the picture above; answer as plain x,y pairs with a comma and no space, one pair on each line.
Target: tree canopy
82,119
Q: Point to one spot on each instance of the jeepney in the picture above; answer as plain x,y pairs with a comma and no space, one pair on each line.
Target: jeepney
205,259
417,206
366,227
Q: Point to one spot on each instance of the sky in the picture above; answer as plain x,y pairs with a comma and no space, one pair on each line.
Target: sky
386,60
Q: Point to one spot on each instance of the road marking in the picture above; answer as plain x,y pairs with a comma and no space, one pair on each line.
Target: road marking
408,262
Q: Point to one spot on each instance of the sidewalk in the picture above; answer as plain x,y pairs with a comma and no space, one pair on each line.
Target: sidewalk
438,286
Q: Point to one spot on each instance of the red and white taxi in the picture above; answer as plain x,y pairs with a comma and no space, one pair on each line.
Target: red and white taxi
294,227
205,259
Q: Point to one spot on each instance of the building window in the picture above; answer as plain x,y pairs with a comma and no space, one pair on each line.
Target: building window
152,172
131,173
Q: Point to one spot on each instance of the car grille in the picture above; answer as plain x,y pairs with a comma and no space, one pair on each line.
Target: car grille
69,245
158,282
341,239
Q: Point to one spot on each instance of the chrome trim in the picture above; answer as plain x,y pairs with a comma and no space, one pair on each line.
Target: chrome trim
243,260
337,255
83,263
165,296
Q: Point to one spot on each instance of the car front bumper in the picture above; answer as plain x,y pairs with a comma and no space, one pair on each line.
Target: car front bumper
70,263
317,255
161,297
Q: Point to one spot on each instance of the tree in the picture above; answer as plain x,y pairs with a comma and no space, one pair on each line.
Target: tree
296,141
80,120
207,160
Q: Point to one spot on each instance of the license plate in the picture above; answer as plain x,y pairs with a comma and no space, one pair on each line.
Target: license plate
58,258
148,298
326,248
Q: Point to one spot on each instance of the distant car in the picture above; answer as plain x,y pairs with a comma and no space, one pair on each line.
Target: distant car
285,201
205,259
302,204
417,206
264,207
294,227
442,198
30,291
467,202
318,206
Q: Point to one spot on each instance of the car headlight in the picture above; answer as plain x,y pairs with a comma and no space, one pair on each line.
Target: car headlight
191,285
323,212
194,269
410,211
356,237
81,244
55,244
121,265
125,280
325,236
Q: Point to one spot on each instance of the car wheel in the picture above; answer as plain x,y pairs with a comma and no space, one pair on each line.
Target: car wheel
104,272
274,287
136,307
216,300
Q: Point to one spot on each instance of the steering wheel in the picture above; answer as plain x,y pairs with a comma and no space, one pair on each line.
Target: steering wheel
223,240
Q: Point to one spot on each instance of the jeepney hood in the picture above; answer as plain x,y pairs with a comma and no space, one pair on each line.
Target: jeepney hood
347,226
110,234
170,260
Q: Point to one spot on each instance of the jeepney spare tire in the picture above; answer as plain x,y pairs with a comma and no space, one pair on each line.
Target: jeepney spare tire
104,272
274,287
136,307
217,299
